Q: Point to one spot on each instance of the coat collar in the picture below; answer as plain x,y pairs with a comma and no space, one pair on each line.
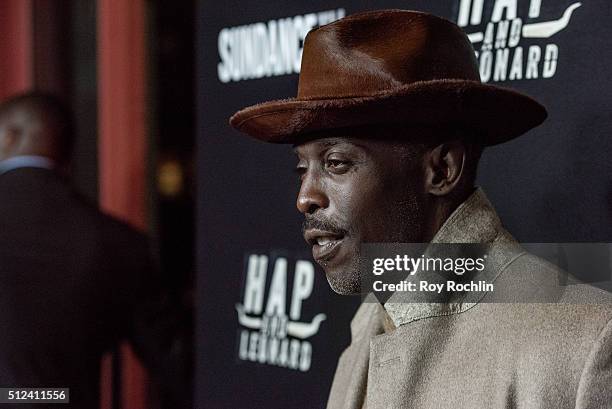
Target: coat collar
474,221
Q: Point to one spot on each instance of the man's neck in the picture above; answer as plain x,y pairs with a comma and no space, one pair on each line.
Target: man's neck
440,211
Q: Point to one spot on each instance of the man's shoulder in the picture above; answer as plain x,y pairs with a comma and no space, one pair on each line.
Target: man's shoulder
44,199
537,277
115,226
544,300
108,226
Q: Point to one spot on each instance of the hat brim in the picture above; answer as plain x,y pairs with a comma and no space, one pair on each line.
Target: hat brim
498,114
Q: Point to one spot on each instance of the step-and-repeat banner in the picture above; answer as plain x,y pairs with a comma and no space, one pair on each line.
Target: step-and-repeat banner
269,329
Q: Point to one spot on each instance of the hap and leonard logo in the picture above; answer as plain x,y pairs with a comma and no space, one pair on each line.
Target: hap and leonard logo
272,330
514,41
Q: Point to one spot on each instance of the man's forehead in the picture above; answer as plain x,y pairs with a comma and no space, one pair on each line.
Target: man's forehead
371,137
324,143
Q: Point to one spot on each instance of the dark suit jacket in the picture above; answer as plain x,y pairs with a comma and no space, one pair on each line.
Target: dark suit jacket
73,282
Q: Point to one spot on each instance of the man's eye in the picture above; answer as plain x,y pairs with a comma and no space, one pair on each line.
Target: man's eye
338,165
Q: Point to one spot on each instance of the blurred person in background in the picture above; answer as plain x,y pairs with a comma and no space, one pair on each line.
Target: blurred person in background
73,281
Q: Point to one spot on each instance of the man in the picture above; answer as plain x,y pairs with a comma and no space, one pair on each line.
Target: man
388,126
73,282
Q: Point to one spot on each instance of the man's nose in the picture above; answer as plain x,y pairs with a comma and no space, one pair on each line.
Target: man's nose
311,196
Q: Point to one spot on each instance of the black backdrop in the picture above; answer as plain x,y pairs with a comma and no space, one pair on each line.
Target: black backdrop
551,185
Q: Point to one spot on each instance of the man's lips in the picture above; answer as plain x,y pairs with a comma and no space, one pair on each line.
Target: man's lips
325,244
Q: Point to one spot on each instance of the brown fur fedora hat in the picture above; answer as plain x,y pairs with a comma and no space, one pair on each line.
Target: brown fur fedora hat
390,66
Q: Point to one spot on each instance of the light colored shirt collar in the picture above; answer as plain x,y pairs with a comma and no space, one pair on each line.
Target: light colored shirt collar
25,161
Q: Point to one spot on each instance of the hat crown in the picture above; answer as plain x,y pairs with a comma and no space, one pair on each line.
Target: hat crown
372,52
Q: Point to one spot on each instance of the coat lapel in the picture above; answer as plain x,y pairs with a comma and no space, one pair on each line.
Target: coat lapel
351,378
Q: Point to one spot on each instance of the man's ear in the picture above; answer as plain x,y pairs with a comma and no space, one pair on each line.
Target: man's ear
443,167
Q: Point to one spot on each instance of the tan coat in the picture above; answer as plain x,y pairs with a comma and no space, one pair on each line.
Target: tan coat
482,355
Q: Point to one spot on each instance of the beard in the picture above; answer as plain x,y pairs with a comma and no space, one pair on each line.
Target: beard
349,281
403,223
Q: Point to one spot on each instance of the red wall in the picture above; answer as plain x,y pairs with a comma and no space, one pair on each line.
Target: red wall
122,142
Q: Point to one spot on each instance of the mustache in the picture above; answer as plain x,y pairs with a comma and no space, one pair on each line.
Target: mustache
322,223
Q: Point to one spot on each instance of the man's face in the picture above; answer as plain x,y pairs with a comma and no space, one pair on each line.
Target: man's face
356,191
